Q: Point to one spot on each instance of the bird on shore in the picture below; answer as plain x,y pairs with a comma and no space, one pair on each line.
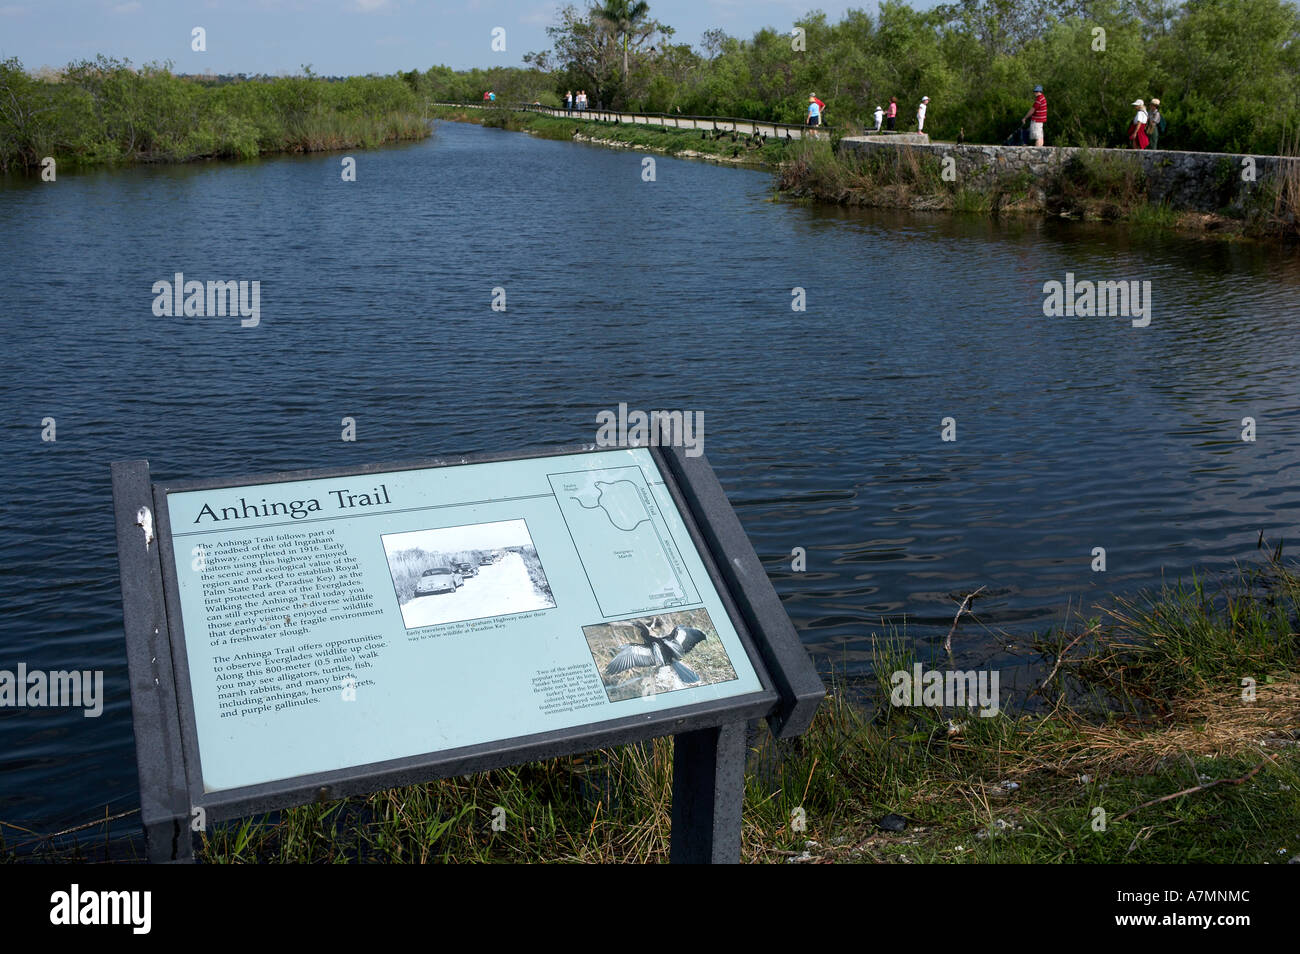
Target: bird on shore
658,648
961,135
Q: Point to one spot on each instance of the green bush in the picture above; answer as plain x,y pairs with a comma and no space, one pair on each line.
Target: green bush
106,111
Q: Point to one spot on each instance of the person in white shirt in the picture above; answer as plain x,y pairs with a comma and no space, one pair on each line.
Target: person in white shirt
880,117
1137,130
920,113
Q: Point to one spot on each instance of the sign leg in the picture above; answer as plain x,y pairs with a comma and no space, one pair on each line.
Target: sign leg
708,792
164,803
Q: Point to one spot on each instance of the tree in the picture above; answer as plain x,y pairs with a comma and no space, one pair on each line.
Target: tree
624,19
584,49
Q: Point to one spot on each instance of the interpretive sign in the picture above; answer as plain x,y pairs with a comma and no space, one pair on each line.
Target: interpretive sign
324,633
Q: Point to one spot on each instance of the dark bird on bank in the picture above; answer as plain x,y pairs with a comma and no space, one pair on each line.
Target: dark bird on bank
657,649
961,135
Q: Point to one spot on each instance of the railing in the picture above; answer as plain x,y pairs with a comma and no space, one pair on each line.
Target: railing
716,124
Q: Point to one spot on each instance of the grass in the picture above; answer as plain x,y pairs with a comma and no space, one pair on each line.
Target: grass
894,179
1131,707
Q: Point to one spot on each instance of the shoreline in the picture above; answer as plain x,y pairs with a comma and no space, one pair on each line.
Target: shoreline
816,172
1166,729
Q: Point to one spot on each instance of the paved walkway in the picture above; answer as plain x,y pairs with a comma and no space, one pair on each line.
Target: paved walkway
743,127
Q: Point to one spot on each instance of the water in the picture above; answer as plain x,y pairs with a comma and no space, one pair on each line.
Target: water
823,426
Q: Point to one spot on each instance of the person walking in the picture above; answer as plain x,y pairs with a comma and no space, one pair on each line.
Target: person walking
1154,122
814,110
892,114
920,113
1137,130
879,117
1036,117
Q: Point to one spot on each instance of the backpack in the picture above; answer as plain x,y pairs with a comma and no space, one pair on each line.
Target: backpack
1162,125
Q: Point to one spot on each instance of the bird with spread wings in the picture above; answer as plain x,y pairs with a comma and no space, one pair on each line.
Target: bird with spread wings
659,647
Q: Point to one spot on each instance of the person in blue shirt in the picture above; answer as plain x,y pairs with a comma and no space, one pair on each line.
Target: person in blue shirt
814,110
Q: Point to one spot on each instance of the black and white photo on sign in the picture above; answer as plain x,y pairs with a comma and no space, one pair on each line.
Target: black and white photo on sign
449,574
648,655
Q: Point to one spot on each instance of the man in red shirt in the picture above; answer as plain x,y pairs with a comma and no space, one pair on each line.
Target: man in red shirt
1036,117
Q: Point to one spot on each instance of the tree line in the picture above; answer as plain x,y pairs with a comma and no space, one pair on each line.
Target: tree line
1227,72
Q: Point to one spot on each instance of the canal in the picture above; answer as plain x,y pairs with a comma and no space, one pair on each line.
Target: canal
825,425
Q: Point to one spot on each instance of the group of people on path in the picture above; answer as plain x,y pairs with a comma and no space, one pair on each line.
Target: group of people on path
1143,132
888,119
1145,129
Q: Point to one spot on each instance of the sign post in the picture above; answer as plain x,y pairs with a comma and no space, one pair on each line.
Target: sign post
319,634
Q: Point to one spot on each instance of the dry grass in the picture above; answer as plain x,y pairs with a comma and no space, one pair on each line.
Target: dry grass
1213,724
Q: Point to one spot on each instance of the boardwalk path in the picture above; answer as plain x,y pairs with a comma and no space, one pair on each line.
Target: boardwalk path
744,127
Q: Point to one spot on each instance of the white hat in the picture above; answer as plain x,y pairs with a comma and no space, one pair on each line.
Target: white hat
1138,103
925,99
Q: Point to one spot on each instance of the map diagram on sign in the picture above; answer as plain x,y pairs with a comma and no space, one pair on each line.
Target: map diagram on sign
623,541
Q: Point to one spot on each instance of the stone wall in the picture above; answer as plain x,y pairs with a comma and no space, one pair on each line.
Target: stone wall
1197,181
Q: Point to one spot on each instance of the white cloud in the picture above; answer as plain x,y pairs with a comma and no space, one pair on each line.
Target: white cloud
132,7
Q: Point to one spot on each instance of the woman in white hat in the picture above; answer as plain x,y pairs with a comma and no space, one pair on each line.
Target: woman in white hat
920,113
1137,130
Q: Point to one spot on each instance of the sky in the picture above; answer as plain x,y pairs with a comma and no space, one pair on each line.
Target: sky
338,37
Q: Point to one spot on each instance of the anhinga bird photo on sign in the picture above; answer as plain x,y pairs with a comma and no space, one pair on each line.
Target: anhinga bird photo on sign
658,648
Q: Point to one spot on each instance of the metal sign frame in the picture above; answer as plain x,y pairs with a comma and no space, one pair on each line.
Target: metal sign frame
709,756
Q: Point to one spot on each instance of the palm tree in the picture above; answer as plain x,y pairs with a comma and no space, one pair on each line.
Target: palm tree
623,17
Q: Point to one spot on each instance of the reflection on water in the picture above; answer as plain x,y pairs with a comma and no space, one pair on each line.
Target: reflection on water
823,425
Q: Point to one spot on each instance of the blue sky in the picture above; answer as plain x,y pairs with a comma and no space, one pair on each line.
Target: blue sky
336,36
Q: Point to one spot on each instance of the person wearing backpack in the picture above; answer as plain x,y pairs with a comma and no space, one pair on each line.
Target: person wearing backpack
1155,124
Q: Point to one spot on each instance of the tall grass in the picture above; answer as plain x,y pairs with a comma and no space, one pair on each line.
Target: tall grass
105,111
879,177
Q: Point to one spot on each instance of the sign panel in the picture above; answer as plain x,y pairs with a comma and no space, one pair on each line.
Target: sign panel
341,621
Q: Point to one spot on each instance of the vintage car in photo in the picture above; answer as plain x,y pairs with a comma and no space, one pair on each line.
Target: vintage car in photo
440,579
466,569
